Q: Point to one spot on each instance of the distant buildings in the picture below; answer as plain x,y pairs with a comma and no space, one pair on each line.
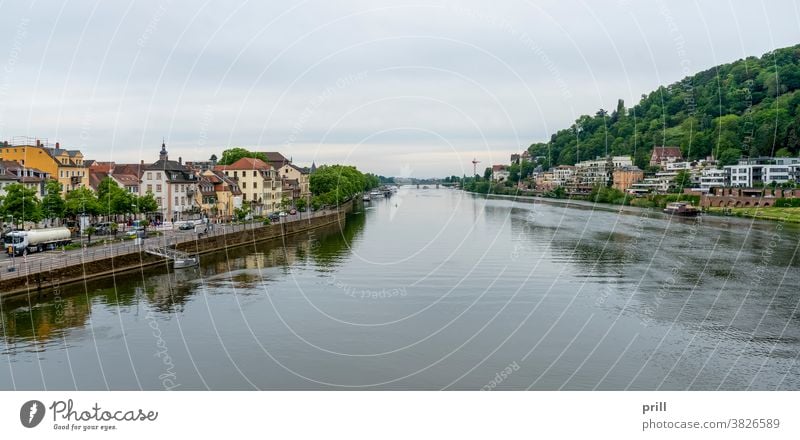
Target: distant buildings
625,177
661,156
259,183
12,172
173,185
763,171
500,173
589,173
66,166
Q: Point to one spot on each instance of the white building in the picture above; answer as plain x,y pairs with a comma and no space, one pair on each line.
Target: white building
763,171
713,178
599,171
500,173
173,185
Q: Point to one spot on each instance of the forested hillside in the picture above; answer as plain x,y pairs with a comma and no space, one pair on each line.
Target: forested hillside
746,107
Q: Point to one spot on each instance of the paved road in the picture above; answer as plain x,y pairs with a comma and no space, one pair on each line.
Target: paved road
44,261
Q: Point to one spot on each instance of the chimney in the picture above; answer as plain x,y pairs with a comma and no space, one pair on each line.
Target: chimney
142,162
180,160
38,143
58,145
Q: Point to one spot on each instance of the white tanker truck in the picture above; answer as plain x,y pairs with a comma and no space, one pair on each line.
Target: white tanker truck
35,240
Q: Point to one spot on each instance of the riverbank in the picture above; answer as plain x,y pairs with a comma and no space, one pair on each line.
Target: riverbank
58,270
788,215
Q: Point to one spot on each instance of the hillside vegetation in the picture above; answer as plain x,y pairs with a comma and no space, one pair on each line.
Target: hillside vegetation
747,107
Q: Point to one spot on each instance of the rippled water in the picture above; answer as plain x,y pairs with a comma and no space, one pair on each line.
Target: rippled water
438,289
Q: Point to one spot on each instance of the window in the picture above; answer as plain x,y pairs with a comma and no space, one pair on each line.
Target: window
255,184
149,176
158,201
244,184
176,200
158,188
244,196
234,174
255,196
149,187
255,173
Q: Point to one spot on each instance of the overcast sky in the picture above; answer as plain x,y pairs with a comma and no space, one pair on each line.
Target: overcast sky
397,88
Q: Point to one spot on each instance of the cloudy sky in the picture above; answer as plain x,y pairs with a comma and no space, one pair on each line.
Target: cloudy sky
393,87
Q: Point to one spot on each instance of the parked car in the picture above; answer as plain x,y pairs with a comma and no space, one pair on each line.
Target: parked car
274,217
186,226
102,228
282,213
135,231
292,211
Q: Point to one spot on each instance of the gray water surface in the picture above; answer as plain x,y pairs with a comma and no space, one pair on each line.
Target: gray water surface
438,289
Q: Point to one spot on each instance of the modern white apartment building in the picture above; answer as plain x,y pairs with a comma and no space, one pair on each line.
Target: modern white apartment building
763,171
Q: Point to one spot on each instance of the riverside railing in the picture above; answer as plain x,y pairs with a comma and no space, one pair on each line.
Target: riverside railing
47,261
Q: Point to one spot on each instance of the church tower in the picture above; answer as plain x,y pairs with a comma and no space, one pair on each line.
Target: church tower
163,154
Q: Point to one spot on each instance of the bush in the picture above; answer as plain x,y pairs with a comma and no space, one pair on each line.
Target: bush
787,203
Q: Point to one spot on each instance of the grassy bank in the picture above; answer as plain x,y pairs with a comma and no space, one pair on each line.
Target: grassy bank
791,215
599,194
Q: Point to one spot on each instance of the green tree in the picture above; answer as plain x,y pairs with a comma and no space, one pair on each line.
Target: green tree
333,184
21,204
81,201
146,203
89,231
729,157
231,155
683,179
53,206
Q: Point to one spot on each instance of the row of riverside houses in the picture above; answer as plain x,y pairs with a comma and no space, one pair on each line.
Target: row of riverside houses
181,190
666,163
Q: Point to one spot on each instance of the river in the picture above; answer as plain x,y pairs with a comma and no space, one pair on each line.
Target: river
438,289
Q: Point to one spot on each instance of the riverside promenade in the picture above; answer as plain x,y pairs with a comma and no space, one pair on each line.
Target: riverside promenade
36,273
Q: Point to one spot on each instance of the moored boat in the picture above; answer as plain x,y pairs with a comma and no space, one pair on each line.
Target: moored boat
683,209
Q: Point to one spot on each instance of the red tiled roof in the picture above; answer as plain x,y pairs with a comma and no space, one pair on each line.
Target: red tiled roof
246,163
660,153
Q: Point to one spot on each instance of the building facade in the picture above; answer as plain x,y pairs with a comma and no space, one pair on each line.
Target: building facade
66,166
259,183
173,185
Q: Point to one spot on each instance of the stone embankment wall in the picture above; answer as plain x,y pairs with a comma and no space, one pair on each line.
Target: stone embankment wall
38,283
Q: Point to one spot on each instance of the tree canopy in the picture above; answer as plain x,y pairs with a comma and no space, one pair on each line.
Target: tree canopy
750,107
21,204
231,155
333,184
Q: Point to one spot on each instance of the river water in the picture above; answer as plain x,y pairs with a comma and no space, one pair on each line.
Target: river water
438,289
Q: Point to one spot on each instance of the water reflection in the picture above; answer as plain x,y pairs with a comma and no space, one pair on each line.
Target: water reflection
36,322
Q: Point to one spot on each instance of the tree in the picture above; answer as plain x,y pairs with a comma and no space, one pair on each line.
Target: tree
487,173
53,204
231,155
683,179
333,184
783,152
146,203
21,204
89,231
81,201
729,157
112,199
